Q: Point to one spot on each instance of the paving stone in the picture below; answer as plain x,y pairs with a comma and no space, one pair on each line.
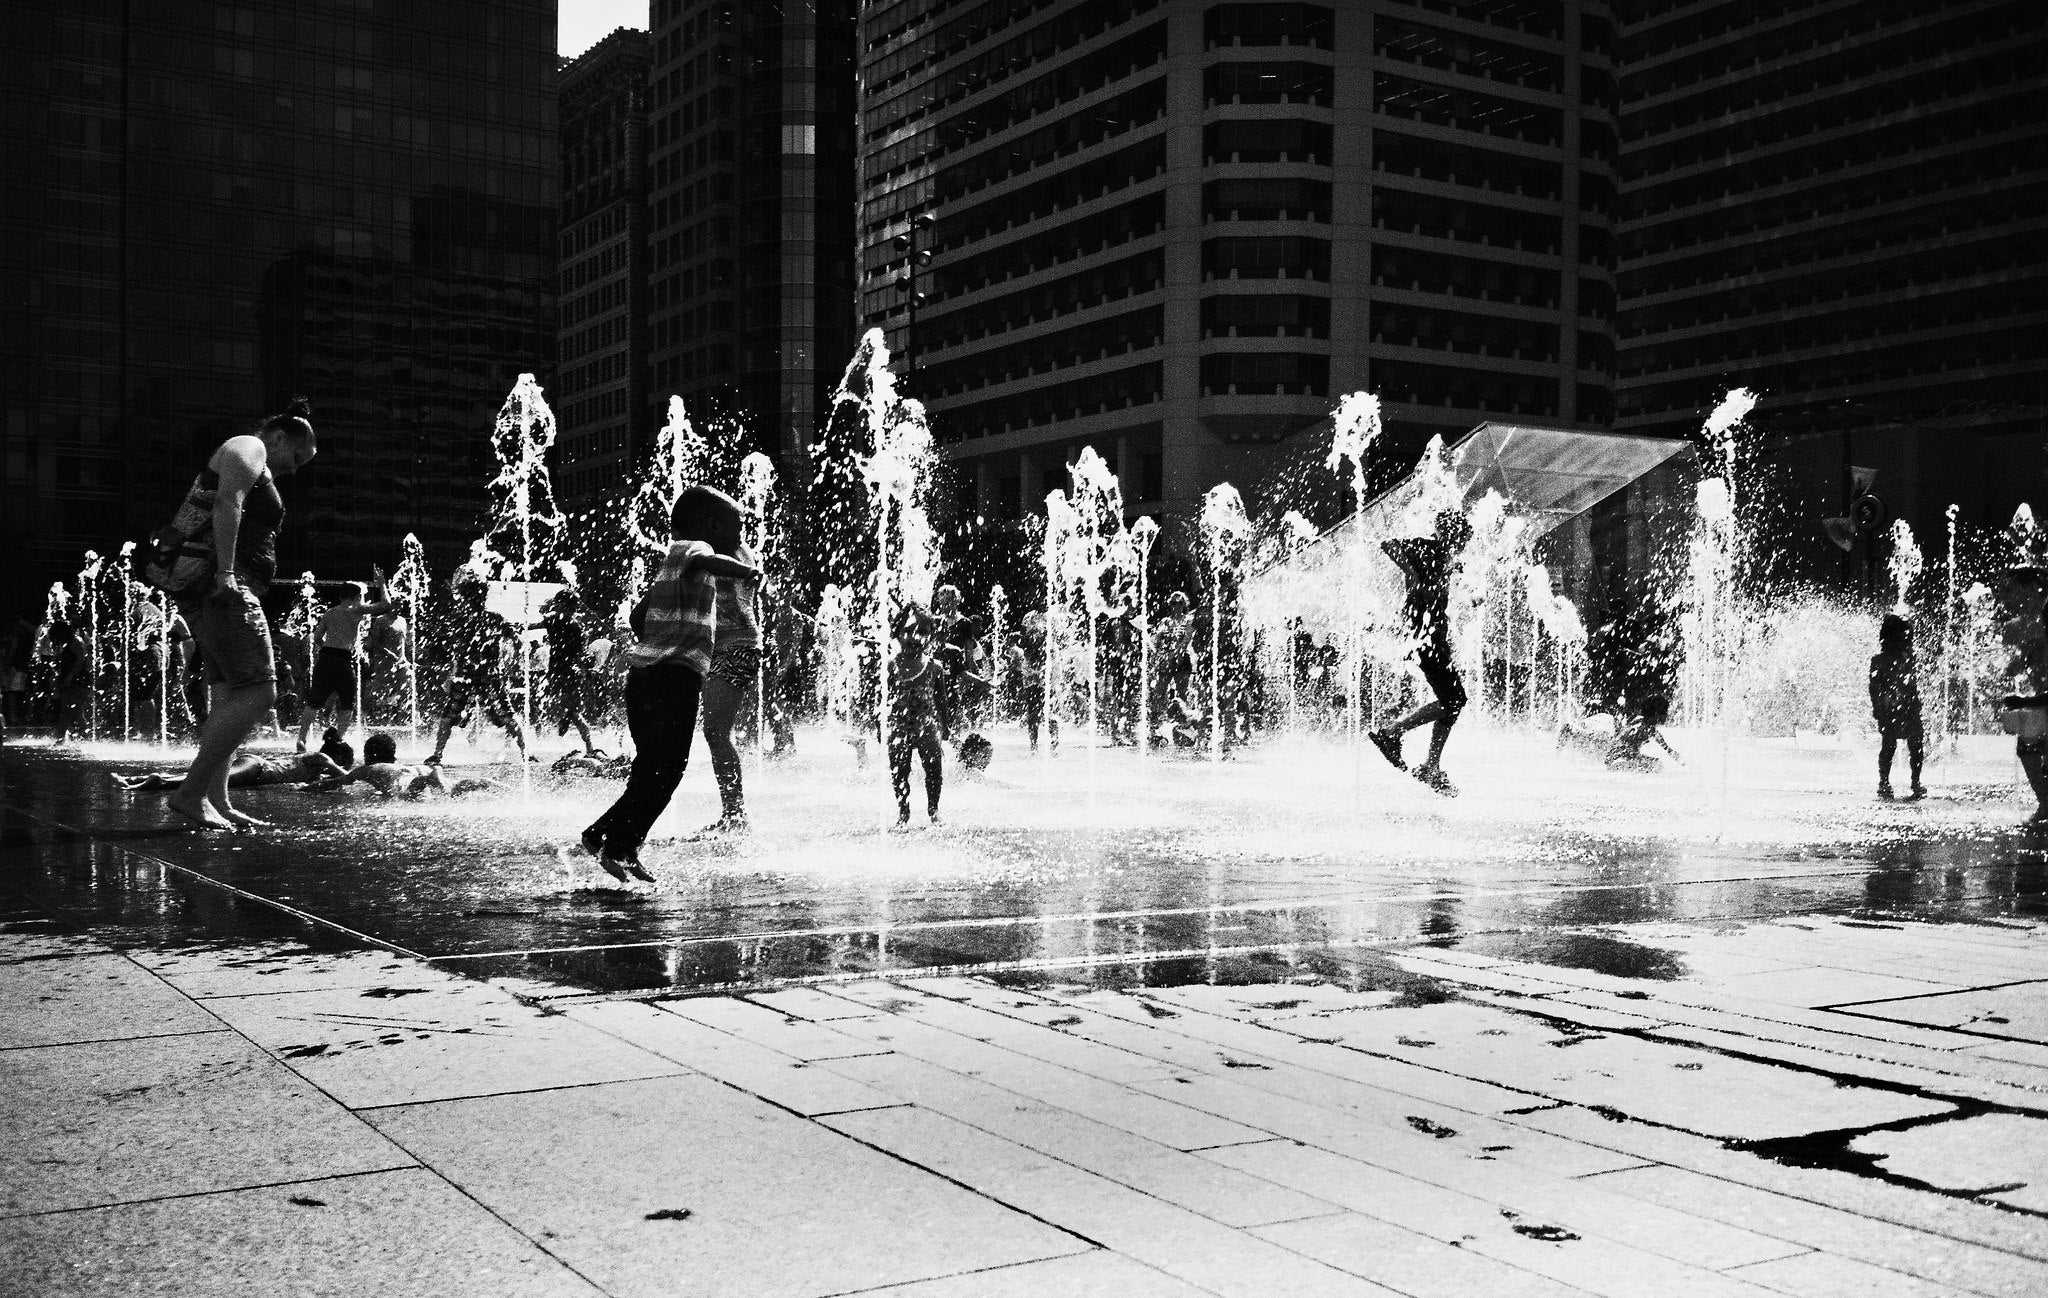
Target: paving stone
1408,1262
1059,1048
1597,1265
1471,1169
1691,1089
1095,1274
2018,1012
775,1204
797,1038
401,1232
1955,1075
1957,1219
1819,1275
1214,1257
430,1043
35,936
1835,1231
1118,1106
120,1121
1999,1156
777,1078
1817,987
1180,1178
245,970
810,1003
53,998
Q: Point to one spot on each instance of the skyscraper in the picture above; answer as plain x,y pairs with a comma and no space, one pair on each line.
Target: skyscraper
1838,204
600,394
1177,229
212,207
751,148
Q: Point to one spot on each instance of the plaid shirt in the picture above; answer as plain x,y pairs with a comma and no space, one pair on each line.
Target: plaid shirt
682,613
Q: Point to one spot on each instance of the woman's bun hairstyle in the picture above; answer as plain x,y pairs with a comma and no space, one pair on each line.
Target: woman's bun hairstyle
297,419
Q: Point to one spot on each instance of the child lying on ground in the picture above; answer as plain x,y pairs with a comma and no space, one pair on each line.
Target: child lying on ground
248,771
382,771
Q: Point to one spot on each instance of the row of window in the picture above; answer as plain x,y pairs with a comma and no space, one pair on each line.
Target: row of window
1136,107
1909,364
1922,267
1461,164
1543,18
1467,110
1108,283
1924,246
1265,374
1056,402
1068,82
1436,47
1479,388
1444,274
580,378
1093,341
1027,50
1072,186
1721,53
1995,306
1449,218
1458,331
1281,199
585,412
1267,140
605,333
1090,235
1268,83
606,297
1269,24
1706,219
1266,257
1265,315
1747,131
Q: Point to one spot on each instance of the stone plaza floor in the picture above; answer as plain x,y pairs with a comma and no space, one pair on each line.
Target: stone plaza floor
1832,1080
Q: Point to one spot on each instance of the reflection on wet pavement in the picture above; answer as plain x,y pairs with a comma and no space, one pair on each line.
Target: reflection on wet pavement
1125,871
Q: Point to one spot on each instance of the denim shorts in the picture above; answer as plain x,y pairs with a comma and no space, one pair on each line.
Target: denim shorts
233,637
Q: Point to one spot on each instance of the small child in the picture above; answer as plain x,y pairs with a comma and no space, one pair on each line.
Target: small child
1895,701
247,771
337,749
1645,727
73,684
914,717
477,675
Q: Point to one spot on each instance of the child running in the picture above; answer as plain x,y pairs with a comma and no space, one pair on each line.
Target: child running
1895,702
674,626
914,716
476,672
1428,563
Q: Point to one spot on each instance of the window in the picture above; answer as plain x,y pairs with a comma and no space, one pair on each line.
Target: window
1267,141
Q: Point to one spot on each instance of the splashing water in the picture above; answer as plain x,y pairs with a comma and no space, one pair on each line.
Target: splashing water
409,585
757,505
1903,565
1224,532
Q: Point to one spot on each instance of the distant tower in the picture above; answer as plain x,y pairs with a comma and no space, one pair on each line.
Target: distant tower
1838,205
1176,230
600,395
751,137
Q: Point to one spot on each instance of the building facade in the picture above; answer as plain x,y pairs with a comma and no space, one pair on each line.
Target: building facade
751,142
1177,230
603,406
212,207
1839,205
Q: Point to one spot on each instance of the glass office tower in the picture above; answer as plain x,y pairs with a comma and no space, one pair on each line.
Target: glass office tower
211,207
1178,230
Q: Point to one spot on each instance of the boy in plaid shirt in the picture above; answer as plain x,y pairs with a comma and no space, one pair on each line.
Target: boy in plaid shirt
674,625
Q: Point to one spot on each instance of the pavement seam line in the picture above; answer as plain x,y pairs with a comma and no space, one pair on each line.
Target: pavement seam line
414,1166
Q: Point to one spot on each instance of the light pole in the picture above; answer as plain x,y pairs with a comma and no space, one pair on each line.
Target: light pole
915,258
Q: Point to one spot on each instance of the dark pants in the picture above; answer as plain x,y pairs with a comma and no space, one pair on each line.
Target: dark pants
924,741
661,713
1888,744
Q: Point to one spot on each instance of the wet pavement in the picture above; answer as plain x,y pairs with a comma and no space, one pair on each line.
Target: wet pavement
1284,1024
1146,871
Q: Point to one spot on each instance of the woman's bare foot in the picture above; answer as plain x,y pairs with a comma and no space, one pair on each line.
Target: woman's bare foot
200,814
242,819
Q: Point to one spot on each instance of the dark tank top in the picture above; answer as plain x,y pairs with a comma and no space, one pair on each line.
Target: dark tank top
256,542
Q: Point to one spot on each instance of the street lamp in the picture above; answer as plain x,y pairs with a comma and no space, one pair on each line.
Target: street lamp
915,258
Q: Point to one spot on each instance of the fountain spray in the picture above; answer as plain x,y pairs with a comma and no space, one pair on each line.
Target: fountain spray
1224,529
523,497
88,587
1948,638
757,499
1354,427
409,585
1144,535
120,571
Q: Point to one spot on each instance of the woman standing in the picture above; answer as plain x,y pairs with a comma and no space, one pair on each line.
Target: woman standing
239,487
2025,596
735,671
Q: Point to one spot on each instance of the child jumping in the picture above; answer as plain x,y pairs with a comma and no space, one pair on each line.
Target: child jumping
1428,562
1895,701
477,671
